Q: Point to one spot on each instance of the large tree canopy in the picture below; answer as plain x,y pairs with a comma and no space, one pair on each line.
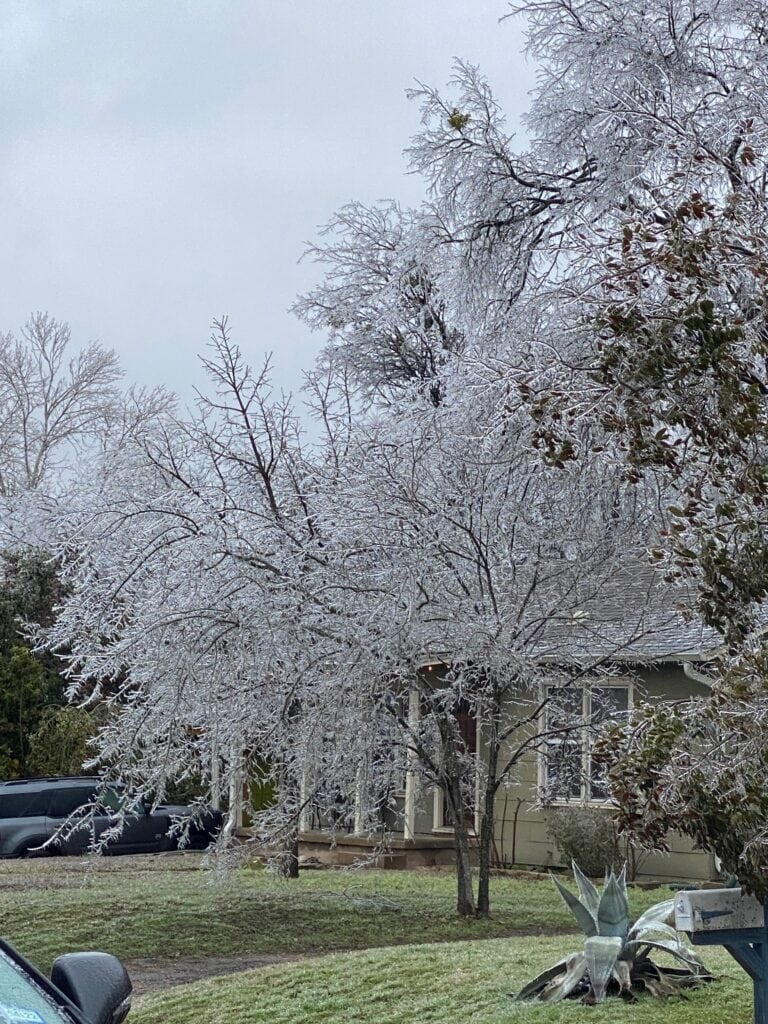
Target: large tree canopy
556,360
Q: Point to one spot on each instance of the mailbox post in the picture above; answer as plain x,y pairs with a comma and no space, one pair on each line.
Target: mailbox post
728,917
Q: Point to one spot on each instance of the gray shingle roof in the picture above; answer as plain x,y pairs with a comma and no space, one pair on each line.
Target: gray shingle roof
635,616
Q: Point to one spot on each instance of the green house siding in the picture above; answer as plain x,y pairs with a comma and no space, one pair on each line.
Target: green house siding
521,826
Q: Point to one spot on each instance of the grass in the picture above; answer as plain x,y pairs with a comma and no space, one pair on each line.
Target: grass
463,982
425,976
47,908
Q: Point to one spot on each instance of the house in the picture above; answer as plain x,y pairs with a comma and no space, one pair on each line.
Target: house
650,649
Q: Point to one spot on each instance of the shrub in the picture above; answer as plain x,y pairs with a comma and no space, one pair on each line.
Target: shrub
59,745
586,835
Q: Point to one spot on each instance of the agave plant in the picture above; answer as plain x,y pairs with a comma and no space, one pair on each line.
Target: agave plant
616,954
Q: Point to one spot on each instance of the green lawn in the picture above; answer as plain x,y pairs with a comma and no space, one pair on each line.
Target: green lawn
164,913
429,973
455,983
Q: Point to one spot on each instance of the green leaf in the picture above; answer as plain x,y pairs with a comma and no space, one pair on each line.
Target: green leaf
588,894
458,120
659,912
539,983
576,966
601,952
586,921
613,912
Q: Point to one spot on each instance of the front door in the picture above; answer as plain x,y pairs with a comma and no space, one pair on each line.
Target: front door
467,726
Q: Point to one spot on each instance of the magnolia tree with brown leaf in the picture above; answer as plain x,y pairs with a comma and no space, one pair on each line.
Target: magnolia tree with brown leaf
667,293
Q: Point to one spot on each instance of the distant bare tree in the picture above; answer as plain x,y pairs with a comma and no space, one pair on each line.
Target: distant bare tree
50,400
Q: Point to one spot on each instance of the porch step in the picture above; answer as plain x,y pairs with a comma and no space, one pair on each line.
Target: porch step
423,851
385,861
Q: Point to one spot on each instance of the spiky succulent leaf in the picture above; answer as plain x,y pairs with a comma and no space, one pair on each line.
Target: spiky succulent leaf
609,952
658,912
541,981
601,952
586,921
654,931
561,987
588,894
622,879
623,976
660,986
676,949
613,911
666,981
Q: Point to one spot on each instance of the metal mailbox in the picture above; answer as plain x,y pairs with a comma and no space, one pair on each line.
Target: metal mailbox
728,917
710,910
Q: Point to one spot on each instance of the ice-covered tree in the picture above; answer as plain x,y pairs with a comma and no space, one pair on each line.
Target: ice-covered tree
559,336
193,551
58,406
614,270
380,306
51,399
495,570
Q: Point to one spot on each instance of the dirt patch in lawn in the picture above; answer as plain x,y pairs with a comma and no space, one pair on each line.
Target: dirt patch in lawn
151,975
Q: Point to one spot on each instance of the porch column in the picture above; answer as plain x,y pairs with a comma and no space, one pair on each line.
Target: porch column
478,768
235,817
305,793
360,785
411,777
215,777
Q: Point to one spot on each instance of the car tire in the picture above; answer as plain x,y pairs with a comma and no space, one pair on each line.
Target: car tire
197,842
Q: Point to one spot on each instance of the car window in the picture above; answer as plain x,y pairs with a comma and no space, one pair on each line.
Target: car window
65,801
23,804
111,799
22,1001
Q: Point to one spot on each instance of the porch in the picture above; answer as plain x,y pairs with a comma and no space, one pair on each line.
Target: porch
423,850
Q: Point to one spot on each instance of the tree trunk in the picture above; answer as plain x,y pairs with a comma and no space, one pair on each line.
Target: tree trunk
465,896
487,819
289,858
485,845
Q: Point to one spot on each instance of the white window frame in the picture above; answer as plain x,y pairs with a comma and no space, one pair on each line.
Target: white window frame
585,798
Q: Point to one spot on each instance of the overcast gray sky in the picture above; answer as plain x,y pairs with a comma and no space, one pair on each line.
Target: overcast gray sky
165,162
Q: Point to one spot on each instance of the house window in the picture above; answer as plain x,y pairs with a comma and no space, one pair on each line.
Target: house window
573,714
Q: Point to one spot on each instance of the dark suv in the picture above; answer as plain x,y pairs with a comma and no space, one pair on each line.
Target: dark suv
33,810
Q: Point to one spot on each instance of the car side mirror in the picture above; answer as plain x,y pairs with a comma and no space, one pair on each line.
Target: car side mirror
97,983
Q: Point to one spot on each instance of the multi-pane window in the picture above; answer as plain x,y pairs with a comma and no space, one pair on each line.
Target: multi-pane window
562,761
571,718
